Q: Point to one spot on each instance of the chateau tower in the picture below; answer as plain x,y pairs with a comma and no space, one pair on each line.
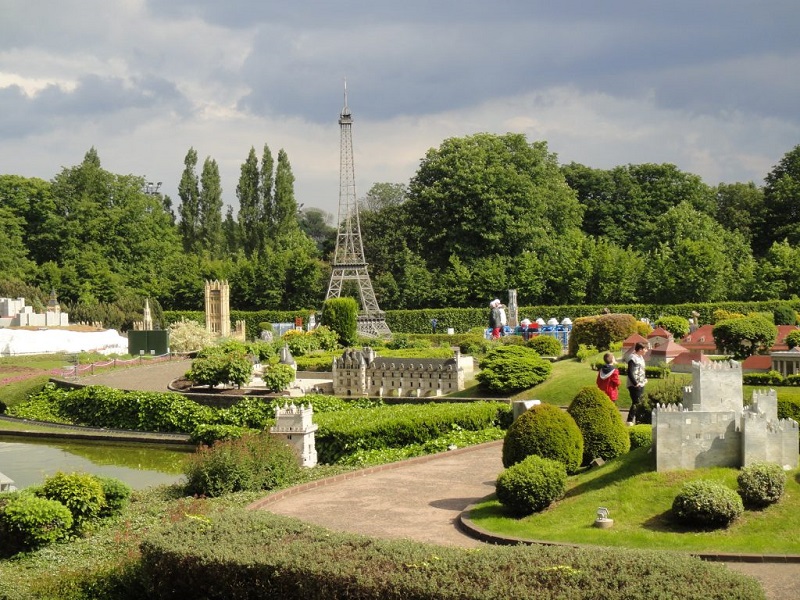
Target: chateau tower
349,264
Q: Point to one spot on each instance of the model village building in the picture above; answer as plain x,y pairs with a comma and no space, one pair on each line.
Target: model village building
363,373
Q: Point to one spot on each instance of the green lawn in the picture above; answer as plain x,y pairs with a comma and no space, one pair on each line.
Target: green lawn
639,501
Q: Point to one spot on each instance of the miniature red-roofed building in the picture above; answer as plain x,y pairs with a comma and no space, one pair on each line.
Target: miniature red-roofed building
682,363
757,363
701,340
780,339
665,353
659,336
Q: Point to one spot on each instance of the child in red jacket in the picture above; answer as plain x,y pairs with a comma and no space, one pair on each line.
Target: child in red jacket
608,377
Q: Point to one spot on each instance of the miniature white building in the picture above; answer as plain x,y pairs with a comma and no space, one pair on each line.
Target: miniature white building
294,424
363,373
15,313
712,428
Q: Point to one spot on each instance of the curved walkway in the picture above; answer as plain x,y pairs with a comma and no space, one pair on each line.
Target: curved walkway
419,499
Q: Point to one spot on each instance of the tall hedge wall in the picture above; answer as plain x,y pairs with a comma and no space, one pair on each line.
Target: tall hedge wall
464,319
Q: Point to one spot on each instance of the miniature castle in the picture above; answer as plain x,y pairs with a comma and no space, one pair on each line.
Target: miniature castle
363,373
713,428
14,312
294,424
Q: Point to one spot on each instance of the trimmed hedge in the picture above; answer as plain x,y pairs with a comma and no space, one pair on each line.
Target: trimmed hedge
244,555
508,369
604,434
462,320
343,432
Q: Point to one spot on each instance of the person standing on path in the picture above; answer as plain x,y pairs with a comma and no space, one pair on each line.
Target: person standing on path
494,318
636,379
608,377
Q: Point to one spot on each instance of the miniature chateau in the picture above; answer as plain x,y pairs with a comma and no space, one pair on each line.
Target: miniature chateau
363,373
15,313
713,428
293,424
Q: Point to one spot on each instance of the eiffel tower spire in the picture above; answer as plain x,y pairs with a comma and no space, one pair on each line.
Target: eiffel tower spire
349,264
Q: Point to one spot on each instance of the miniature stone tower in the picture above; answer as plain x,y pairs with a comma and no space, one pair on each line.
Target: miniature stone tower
293,423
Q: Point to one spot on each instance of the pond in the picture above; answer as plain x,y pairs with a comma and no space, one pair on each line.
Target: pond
29,462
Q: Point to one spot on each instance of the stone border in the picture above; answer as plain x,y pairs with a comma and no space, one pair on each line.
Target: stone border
79,432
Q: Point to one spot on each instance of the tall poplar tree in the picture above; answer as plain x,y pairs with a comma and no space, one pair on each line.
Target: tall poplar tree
250,215
266,194
189,209
285,215
210,225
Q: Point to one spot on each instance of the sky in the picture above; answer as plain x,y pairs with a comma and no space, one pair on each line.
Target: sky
711,86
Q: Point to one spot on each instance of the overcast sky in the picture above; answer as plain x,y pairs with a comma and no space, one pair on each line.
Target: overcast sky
711,86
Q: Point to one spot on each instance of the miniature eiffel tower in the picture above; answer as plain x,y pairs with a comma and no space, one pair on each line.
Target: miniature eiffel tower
349,264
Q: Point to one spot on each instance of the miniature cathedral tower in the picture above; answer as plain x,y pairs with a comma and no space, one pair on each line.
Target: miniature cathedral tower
349,264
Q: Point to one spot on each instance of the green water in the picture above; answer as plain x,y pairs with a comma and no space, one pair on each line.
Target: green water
29,462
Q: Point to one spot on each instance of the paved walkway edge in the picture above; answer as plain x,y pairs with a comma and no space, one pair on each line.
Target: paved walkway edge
304,487
466,525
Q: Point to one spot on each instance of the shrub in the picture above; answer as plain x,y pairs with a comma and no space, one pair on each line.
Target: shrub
761,484
640,436
28,522
768,378
208,434
667,391
585,352
81,493
547,431
507,369
707,504
473,345
189,336
600,331
745,336
721,314
604,434
278,377
341,316
117,494
250,463
545,345
677,326
793,339
531,485
784,315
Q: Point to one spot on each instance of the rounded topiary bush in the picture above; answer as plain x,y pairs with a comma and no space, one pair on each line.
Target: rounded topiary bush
707,504
545,345
547,431
641,436
604,434
28,522
507,369
761,484
531,485
81,493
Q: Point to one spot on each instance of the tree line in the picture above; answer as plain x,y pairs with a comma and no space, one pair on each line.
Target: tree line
482,214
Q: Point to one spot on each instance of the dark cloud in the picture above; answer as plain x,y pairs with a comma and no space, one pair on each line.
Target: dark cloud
94,98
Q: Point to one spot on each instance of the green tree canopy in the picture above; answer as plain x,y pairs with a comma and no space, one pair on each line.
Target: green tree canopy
486,195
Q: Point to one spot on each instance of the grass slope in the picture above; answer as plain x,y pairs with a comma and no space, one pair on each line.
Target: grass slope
639,501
